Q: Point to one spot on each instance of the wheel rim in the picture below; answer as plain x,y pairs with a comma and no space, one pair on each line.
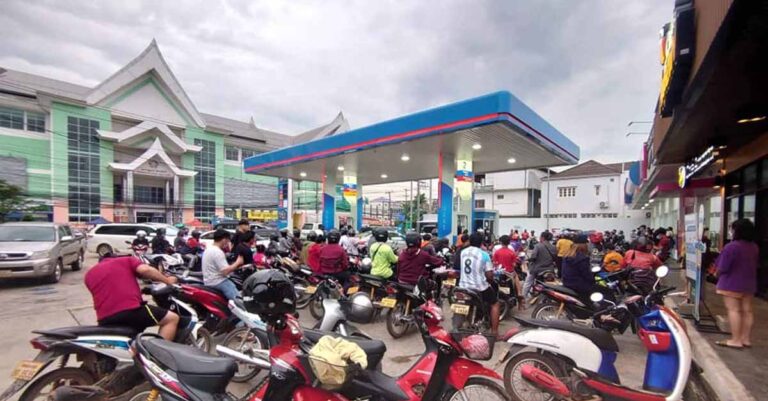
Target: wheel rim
103,250
522,388
399,326
302,298
549,312
245,342
57,271
474,392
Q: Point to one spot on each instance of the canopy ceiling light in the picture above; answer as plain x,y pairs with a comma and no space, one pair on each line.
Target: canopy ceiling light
511,160
303,174
477,146
405,157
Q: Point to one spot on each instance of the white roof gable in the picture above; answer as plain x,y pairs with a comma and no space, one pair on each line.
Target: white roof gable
156,150
149,61
134,133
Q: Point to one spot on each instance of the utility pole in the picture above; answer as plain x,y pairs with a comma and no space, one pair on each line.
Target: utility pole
549,194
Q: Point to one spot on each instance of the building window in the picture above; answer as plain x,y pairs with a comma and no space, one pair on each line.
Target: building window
232,153
597,190
566,192
20,119
499,197
83,157
248,153
205,180
152,195
480,203
117,192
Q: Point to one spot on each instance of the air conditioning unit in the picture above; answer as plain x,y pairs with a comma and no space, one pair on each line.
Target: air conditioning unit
603,205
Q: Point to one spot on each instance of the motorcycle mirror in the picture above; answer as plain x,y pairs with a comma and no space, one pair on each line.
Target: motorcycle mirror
596,297
596,269
662,271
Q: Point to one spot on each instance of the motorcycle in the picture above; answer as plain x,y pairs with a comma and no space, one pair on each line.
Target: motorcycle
507,291
440,374
104,351
562,361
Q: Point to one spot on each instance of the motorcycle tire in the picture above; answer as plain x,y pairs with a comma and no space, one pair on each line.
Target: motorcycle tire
395,326
548,311
204,341
491,391
504,309
520,389
244,340
60,377
302,299
316,308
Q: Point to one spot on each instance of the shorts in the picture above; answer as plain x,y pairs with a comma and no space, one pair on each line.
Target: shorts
489,296
138,319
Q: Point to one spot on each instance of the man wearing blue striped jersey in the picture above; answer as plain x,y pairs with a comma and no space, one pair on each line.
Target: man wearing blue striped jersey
477,275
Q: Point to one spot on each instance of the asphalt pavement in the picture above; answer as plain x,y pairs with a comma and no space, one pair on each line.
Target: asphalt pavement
30,306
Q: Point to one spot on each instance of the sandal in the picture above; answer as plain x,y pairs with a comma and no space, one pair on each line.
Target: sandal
725,344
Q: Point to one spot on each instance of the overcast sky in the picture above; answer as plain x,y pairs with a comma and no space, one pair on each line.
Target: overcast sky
589,67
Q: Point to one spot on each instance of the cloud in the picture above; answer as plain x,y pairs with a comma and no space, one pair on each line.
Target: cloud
588,67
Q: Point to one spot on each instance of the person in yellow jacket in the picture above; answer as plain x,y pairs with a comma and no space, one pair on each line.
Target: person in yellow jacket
382,255
612,261
563,246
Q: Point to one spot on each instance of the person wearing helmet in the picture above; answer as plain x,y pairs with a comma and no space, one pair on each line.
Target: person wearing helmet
296,244
382,255
349,243
216,268
286,244
159,244
274,247
334,260
141,239
414,262
477,275
180,243
270,294
117,297
193,249
640,257
313,254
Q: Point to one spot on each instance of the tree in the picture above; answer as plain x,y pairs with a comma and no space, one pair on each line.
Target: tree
414,210
11,198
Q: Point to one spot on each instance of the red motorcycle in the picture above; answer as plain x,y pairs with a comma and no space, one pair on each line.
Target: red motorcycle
441,374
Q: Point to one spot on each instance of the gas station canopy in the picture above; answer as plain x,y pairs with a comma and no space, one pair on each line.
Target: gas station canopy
497,132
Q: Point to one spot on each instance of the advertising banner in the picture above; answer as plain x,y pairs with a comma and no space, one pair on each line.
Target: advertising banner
693,260
282,203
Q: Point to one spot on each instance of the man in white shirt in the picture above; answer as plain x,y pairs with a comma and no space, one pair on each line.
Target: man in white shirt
476,273
216,268
349,243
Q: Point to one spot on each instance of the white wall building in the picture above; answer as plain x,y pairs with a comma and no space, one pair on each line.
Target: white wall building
511,193
589,196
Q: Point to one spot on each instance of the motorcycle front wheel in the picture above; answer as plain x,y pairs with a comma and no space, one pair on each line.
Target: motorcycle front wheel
548,311
518,387
478,388
396,325
42,388
245,341
316,308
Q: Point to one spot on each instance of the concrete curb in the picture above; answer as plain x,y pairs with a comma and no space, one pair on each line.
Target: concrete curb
716,373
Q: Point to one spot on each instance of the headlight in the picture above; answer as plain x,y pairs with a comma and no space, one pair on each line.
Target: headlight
40,255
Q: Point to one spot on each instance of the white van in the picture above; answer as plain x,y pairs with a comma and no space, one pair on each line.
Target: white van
106,238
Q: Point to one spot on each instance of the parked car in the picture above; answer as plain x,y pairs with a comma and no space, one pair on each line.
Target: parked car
106,238
39,250
262,230
396,240
207,238
308,228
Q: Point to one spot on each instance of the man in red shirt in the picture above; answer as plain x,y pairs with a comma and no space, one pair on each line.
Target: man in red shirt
313,254
334,260
117,297
412,262
506,258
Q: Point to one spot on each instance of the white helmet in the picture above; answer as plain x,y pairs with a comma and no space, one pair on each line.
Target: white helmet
141,233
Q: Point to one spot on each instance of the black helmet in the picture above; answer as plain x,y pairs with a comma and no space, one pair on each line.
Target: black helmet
351,232
269,293
412,240
381,234
274,237
344,231
160,231
196,234
320,239
312,236
334,237
296,232
284,232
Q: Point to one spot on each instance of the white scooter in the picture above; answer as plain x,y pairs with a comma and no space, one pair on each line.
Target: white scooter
563,361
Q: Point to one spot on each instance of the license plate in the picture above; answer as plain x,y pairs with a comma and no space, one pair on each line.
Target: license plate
460,309
26,370
504,290
310,289
352,290
388,302
450,282
6,273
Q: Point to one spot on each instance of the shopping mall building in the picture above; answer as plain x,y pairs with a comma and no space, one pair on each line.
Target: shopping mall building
705,159
134,148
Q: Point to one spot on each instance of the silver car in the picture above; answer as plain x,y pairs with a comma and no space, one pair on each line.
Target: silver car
39,250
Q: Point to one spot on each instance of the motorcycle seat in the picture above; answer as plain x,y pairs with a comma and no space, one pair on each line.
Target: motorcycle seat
374,349
374,280
78,331
182,358
376,382
601,338
562,289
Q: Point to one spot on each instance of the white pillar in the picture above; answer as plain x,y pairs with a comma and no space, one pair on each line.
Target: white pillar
290,204
176,190
129,187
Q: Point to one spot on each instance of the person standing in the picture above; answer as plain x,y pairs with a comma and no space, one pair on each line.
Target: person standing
215,265
737,282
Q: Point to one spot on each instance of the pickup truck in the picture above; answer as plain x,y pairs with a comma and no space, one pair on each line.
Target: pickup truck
39,250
